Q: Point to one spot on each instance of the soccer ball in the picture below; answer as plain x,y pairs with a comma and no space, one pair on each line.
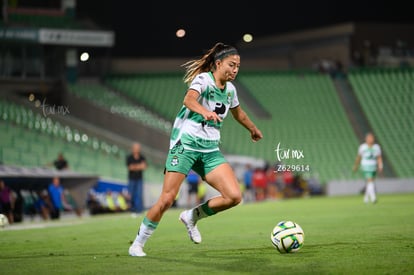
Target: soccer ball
3,220
287,237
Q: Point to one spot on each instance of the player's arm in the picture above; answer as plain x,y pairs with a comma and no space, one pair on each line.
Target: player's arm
380,164
138,166
357,161
190,101
241,117
131,167
65,203
142,165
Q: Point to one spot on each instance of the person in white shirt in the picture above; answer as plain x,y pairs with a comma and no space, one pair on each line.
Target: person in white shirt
369,160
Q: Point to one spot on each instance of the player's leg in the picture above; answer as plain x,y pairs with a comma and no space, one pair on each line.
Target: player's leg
371,187
366,191
370,195
223,180
371,190
171,186
177,166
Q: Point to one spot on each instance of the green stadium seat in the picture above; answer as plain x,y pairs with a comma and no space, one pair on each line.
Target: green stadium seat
96,93
387,100
39,145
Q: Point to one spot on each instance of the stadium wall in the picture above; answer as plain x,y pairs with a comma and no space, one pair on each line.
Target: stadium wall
386,185
350,43
146,65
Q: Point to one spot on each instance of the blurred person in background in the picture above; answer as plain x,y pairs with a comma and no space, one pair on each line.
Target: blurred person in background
136,165
194,143
7,200
248,194
271,182
61,163
288,180
369,160
58,198
43,204
193,180
259,181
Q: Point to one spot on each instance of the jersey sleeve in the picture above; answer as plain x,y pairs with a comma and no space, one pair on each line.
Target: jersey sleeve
378,149
198,84
360,149
235,100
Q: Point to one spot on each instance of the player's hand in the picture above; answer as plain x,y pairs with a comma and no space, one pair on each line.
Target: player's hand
256,134
212,116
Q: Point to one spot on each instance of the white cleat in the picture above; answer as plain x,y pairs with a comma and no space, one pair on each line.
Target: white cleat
192,230
136,250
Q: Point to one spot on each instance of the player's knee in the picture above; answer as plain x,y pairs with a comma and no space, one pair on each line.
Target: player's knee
237,199
234,199
166,201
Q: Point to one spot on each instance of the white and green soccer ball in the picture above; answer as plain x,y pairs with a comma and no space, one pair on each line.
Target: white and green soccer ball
3,221
287,237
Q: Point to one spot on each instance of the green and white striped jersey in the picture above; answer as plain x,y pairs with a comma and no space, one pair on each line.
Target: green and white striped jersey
369,156
190,129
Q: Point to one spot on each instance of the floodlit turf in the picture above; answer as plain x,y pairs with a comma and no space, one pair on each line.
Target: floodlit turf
342,236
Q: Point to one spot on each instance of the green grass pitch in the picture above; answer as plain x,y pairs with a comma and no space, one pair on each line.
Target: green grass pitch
342,236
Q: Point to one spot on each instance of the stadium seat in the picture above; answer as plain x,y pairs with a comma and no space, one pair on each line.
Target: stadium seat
39,140
386,96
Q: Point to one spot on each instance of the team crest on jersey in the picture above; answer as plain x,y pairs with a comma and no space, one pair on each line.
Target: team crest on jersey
228,97
174,161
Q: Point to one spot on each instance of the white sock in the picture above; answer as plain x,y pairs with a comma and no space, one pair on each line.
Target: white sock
145,231
371,191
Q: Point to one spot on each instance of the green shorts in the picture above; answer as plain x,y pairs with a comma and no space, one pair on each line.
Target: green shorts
184,160
369,174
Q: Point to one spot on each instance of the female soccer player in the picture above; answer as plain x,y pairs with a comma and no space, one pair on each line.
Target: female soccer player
370,159
194,142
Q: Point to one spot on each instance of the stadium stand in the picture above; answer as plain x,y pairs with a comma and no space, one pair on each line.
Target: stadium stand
162,93
386,96
34,140
306,115
299,112
318,125
115,103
